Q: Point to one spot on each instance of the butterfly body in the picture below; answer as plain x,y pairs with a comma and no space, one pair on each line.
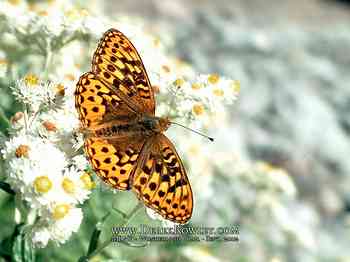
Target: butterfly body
146,126
124,140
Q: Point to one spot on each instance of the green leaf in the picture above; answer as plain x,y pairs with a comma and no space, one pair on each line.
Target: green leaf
83,259
6,187
94,240
5,248
22,250
96,234
4,122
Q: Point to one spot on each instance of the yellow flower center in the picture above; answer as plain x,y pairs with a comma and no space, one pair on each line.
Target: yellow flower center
32,7
16,117
60,211
156,42
196,86
14,2
87,181
42,13
267,167
84,12
60,89
236,86
31,80
3,61
198,109
213,79
74,14
179,82
42,184
22,151
218,92
166,68
70,77
68,185
180,62
49,126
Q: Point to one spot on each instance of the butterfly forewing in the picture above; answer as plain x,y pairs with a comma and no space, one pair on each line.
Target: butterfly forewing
161,182
117,63
97,104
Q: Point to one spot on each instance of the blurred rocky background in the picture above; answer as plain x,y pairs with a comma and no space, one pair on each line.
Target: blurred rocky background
292,58
270,13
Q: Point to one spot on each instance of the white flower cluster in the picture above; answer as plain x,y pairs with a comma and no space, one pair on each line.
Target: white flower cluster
33,92
42,165
196,99
201,99
53,18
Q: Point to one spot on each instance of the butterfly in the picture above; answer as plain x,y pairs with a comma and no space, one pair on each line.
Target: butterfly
123,139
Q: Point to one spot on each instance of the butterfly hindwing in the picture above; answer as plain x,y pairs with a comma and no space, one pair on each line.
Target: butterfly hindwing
114,159
161,182
117,63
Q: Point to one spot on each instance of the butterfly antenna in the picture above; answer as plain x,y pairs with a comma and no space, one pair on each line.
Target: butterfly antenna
203,135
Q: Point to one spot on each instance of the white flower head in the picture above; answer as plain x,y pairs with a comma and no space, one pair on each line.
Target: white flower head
215,89
76,185
16,14
76,20
73,188
80,162
59,127
35,167
67,219
34,92
51,24
56,224
40,236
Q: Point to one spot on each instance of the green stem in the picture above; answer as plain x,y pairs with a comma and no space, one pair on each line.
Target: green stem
32,118
7,188
19,210
123,215
4,122
67,41
48,57
25,111
48,60
109,241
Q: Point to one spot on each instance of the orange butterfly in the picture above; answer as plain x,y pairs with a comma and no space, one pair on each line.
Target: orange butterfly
124,140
